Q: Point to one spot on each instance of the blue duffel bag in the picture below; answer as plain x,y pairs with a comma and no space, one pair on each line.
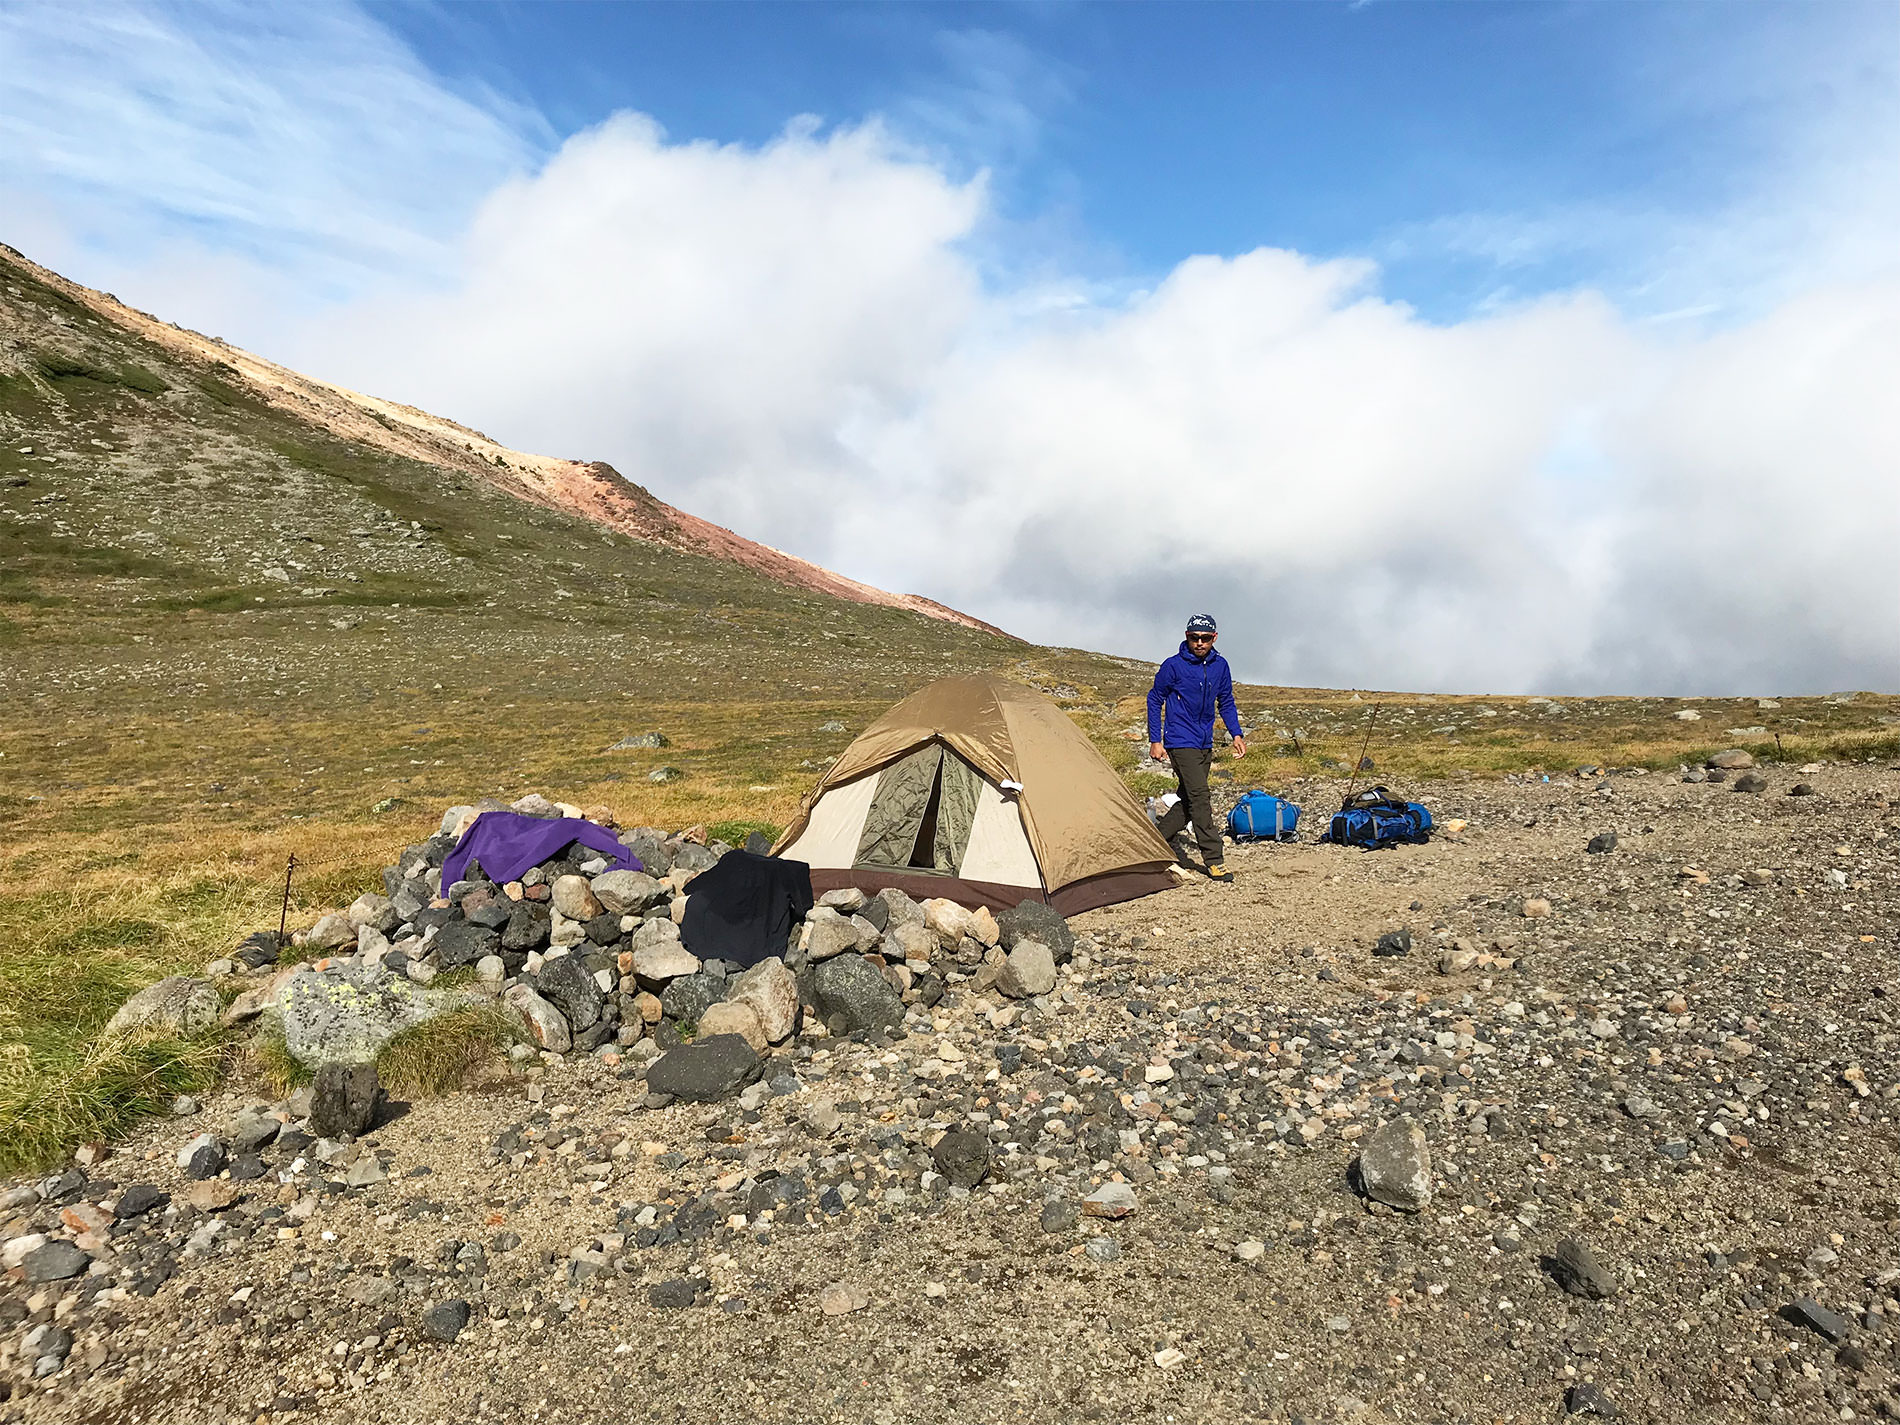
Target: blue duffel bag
1261,816
1375,818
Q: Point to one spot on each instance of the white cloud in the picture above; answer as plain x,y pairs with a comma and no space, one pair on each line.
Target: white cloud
803,341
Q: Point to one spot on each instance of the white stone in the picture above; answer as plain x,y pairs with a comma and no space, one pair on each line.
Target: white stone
546,1023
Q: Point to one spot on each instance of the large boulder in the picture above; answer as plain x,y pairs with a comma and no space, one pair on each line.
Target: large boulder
626,892
346,1014
898,908
705,1070
177,1004
566,983
850,991
1032,920
772,991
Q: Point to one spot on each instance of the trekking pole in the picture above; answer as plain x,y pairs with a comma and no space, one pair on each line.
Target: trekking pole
283,918
1353,784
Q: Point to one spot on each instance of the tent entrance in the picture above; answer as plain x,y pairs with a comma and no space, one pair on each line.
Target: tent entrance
921,813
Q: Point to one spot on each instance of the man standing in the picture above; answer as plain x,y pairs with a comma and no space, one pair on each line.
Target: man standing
1189,689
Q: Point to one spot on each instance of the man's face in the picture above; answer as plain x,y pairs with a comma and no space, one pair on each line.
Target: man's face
1201,643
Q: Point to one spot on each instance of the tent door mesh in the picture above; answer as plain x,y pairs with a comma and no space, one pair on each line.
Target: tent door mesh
921,813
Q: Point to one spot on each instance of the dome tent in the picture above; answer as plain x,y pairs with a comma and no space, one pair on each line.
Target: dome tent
984,792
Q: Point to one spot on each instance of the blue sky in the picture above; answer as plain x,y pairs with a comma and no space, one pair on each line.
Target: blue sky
1461,145
1473,346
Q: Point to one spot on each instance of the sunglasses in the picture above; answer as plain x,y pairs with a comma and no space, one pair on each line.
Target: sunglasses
1200,638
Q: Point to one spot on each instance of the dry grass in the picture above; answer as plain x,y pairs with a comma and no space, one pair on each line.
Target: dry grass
445,1053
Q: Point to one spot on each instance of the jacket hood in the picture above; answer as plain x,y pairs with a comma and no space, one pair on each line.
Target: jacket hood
1193,657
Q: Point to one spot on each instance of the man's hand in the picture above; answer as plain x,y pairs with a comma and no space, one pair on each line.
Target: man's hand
1157,751
1240,747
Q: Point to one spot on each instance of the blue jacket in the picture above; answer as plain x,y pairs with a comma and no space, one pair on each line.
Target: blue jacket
1192,689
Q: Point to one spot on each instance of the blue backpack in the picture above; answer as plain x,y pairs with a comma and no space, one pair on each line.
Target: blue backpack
1375,818
1258,816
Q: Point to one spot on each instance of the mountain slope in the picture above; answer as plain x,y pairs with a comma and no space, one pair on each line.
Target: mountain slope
593,490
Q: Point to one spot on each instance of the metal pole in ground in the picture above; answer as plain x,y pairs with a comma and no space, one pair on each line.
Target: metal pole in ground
283,918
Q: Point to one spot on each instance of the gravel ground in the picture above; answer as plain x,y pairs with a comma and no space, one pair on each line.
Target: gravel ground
1658,1118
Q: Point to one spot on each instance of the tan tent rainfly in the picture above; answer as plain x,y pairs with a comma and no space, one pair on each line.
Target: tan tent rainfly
982,791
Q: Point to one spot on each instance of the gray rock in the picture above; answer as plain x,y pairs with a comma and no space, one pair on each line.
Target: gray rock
253,1129
54,1262
332,932
137,1200
574,898
640,740
346,1014
1575,1268
658,955
1393,943
1395,1166
899,909
829,933
177,1004
962,1157
849,989
1602,843
1587,1398
343,1100
1751,782
675,1295
568,985
665,774
1027,971
706,1070
626,892
1060,1215
445,1320
529,925
203,1157
462,942
687,998
1102,1249
1730,759
546,1025
772,991
1032,920
1111,1199
1801,789
1802,1311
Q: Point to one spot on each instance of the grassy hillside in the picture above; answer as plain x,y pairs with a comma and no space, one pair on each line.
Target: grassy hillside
227,635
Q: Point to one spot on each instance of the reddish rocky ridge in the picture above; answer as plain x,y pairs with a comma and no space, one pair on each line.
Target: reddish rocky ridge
593,490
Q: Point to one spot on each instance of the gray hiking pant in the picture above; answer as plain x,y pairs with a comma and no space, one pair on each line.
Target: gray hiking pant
1191,766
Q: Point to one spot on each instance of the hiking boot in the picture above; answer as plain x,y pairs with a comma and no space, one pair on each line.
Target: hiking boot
1218,872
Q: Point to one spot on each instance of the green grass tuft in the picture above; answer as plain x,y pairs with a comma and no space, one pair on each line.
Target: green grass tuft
444,1053
114,1084
280,1069
734,833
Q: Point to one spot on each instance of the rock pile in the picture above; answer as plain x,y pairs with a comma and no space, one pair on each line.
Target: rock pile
591,959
